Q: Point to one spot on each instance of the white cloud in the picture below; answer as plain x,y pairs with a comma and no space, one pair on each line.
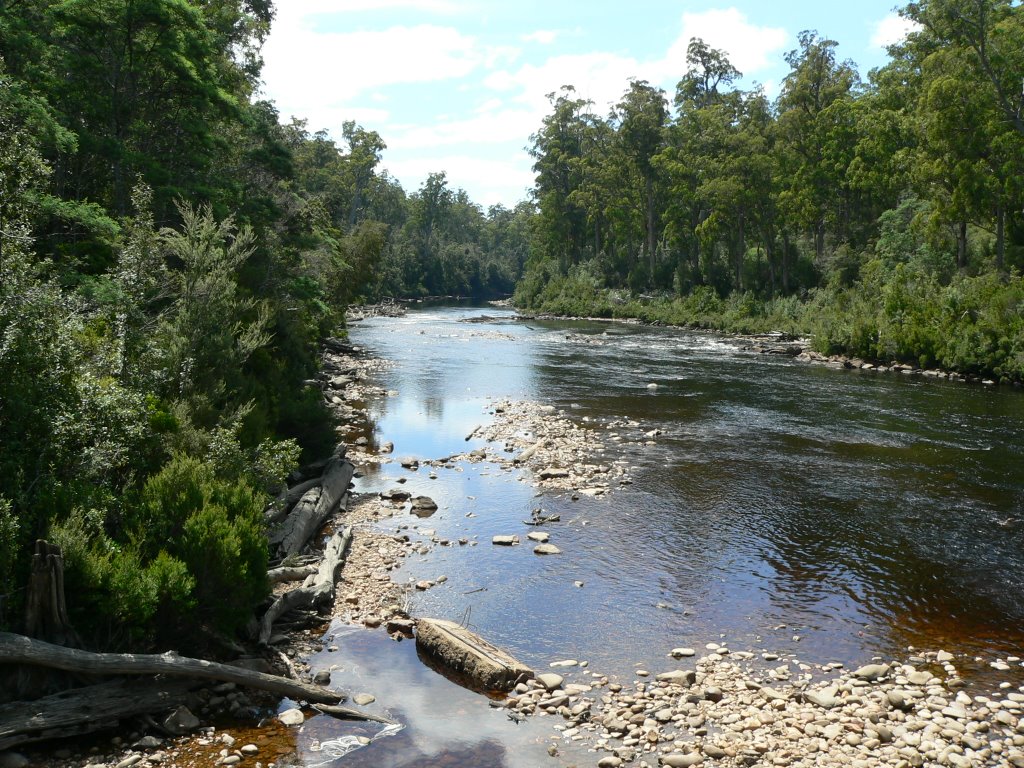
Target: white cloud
488,180
488,127
542,36
751,49
598,77
892,29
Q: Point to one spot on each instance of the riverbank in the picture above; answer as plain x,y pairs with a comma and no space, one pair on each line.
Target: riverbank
969,329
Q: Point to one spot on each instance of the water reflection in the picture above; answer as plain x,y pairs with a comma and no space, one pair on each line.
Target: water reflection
451,725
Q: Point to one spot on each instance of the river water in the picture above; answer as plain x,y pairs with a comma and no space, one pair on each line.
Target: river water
823,514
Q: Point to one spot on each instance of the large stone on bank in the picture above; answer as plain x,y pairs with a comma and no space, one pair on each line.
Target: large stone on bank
826,698
684,677
181,721
679,760
553,473
550,680
872,672
466,653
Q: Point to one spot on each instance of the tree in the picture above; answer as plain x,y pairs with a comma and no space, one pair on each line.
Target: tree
641,117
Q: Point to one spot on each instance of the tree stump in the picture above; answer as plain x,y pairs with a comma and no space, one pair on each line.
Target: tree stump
46,612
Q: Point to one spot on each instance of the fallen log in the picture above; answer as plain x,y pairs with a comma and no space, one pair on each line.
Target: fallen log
317,590
466,653
290,573
18,649
311,512
85,710
286,500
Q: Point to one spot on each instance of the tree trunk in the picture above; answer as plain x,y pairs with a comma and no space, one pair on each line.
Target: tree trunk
1000,235
651,236
18,649
961,246
785,263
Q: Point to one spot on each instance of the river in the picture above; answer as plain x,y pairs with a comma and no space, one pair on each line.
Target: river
827,515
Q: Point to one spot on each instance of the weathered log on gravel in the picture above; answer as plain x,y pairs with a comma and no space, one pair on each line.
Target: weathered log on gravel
313,509
290,573
282,505
18,649
85,710
318,588
466,653
526,455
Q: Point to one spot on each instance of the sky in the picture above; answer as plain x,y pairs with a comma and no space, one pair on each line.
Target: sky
459,86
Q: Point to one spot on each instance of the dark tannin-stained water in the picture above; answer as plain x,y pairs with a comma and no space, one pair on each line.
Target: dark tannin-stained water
835,515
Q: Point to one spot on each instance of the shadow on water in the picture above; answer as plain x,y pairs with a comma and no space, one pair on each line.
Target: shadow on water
860,513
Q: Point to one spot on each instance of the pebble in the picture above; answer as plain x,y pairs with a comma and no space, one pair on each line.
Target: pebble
362,699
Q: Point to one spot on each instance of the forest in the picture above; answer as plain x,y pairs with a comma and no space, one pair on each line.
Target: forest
173,253
171,256
884,216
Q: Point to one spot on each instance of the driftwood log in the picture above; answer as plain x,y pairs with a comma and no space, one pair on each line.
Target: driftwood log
290,573
313,509
317,590
18,649
287,499
85,710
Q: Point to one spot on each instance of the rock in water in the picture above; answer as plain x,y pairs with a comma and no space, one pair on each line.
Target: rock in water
505,541
546,549
292,717
466,653
423,506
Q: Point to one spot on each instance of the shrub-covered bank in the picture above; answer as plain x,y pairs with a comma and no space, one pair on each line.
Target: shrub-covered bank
972,325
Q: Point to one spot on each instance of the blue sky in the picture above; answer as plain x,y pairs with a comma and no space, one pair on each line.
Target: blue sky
459,85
